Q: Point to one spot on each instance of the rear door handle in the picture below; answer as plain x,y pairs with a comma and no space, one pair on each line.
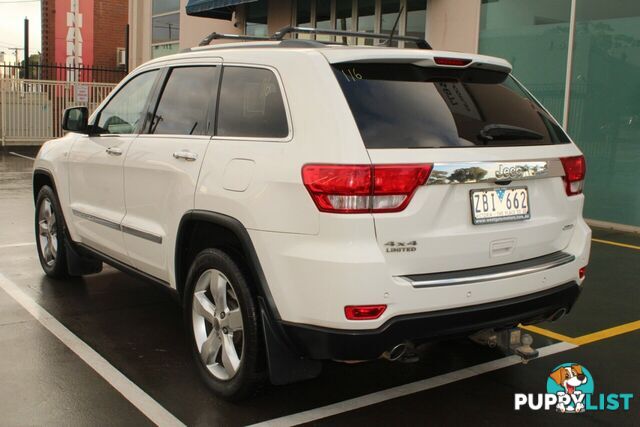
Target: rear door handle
114,151
185,155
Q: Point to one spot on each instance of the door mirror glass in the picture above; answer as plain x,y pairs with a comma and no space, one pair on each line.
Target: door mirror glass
75,120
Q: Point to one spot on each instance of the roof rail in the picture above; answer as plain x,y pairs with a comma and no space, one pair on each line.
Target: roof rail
214,36
280,34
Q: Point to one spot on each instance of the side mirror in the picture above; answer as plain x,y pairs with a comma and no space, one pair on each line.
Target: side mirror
75,119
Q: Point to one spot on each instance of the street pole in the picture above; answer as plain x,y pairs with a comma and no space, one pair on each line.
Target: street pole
126,49
26,48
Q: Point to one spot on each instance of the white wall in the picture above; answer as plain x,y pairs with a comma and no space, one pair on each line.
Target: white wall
453,24
194,29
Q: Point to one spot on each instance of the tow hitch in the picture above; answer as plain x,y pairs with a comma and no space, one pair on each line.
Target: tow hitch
510,341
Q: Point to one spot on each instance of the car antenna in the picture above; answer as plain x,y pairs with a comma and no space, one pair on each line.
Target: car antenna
395,26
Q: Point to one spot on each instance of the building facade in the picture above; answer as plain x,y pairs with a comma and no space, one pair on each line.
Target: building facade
89,33
581,58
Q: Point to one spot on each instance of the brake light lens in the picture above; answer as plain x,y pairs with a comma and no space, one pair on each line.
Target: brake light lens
452,62
582,272
575,169
364,312
363,188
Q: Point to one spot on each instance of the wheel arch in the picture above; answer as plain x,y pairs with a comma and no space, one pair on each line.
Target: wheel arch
42,177
199,229
211,229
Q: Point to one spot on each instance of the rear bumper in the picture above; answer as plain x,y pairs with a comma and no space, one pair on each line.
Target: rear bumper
326,343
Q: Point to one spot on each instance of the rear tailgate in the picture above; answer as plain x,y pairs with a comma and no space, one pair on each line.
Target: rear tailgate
481,131
436,233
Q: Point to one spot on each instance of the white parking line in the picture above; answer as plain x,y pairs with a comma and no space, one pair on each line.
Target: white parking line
21,155
406,389
17,245
130,391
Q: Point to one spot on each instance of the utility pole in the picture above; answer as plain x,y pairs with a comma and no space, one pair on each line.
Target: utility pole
126,49
26,47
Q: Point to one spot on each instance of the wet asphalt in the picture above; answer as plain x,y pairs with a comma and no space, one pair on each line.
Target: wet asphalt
137,328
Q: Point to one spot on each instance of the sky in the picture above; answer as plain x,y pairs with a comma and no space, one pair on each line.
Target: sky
12,14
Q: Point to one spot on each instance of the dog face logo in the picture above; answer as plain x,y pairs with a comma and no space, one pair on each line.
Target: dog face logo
573,381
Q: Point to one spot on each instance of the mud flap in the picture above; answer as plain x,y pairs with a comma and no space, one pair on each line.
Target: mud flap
285,367
79,265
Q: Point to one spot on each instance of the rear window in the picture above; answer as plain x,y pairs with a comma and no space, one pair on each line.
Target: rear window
408,106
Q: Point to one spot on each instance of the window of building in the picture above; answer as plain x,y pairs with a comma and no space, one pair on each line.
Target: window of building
165,27
367,19
533,36
591,85
604,108
250,104
123,113
363,15
184,102
256,19
323,18
416,18
344,15
388,16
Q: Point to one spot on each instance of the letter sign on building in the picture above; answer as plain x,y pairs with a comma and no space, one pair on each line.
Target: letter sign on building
74,35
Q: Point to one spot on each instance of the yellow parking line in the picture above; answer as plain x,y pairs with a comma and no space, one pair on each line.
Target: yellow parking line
622,245
588,338
607,333
548,333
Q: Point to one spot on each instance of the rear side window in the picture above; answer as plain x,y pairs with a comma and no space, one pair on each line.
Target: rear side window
184,102
251,104
407,106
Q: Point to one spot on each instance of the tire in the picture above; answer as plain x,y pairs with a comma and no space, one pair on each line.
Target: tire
50,234
221,320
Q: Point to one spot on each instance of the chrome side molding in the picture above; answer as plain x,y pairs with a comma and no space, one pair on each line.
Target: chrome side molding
484,274
472,172
125,229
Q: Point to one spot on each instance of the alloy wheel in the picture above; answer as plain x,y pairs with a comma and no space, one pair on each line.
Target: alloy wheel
217,324
47,232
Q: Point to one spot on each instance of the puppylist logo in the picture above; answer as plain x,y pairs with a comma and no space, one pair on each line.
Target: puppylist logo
570,389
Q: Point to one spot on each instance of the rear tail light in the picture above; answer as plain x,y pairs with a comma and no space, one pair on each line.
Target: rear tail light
575,169
364,312
363,188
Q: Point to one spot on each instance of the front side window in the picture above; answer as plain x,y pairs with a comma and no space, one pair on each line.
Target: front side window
251,104
123,113
184,102
408,106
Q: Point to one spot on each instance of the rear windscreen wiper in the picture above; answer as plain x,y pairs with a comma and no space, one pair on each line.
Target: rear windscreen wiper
495,132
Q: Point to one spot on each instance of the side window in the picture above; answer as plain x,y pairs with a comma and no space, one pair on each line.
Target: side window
124,111
185,101
251,104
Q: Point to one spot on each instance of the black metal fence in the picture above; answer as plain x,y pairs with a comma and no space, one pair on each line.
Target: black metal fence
61,72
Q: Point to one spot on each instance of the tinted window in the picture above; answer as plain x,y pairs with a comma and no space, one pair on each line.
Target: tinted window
407,106
184,102
124,111
251,104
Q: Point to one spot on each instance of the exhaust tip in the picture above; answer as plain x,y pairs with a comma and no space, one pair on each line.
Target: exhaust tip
395,353
558,314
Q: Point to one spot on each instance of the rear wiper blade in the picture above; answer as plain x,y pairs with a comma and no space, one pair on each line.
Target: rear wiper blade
497,131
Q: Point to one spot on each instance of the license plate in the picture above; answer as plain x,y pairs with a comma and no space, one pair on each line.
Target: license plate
489,206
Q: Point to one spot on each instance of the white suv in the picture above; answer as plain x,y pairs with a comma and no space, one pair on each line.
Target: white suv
310,202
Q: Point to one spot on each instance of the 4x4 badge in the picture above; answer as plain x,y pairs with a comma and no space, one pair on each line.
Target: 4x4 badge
410,246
